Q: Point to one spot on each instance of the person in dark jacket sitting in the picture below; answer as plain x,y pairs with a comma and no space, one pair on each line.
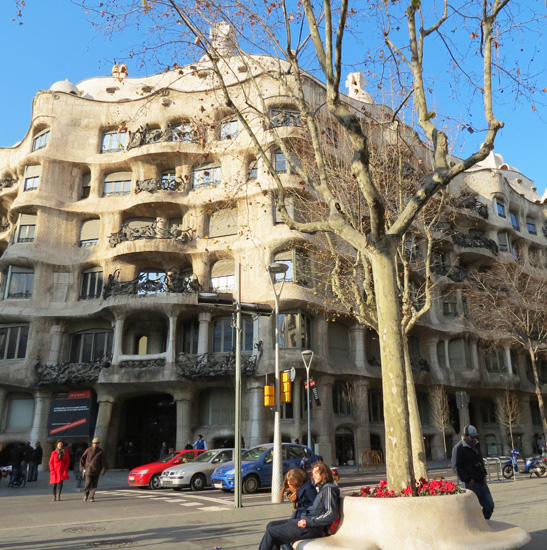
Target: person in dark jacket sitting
315,521
471,470
299,491
93,462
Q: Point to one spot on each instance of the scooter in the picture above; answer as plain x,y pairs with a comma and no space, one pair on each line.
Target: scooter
533,465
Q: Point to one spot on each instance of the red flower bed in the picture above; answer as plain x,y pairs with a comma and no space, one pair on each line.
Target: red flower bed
423,488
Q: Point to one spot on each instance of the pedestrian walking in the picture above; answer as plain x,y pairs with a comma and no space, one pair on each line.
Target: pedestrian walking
59,462
92,464
35,461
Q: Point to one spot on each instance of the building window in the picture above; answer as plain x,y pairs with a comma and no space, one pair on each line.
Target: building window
19,282
372,347
223,223
441,354
294,330
20,412
338,341
222,276
91,345
281,166
299,271
190,334
117,184
284,117
341,404
531,226
151,281
169,180
113,142
206,176
503,241
495,361
89,232
26,228
224,335
86,186
13,341
252,169
376,406
500,208
184,132
450,304
488,412
228,130
92,284
31,184
216,407
514,221
423,407
459,354
40,141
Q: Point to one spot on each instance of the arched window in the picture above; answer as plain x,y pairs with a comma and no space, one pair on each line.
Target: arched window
222,275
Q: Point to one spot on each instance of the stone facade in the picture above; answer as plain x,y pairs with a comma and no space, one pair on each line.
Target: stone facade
130,196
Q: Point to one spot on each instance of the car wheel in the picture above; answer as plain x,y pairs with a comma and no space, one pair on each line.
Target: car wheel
198,482
154,482
250,485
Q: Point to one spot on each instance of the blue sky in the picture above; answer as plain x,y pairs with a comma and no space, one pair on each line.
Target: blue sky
59,43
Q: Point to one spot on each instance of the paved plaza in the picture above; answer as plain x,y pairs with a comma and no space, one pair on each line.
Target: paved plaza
125,518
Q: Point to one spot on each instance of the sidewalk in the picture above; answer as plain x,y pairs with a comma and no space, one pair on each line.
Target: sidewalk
521,502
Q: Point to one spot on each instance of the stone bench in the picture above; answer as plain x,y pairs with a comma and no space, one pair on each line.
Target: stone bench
451,522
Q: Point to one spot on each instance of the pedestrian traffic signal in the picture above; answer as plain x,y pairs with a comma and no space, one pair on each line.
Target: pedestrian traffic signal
286,387
269,396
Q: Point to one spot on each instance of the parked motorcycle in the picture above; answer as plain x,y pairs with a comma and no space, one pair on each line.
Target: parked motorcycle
532,465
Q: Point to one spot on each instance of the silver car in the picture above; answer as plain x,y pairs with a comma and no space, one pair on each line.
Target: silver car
195,474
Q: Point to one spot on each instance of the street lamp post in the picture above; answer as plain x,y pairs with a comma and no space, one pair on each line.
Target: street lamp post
307,357
277,465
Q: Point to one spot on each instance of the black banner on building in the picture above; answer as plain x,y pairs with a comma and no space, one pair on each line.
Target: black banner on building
70,414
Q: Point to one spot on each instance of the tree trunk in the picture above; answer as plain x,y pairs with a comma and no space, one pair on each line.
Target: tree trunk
537,387
394,386
416,435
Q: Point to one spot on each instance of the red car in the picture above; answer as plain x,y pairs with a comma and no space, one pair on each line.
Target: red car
149,474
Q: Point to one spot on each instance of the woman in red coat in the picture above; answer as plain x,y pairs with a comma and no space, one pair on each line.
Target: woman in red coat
58,469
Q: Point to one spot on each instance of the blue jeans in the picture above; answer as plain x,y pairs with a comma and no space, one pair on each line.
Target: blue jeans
286,531
485,498
32,471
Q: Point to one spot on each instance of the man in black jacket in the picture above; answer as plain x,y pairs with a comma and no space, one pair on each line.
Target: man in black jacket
35,461
93,462
471,471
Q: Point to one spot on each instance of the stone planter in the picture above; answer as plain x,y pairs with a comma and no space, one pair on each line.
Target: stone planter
450,522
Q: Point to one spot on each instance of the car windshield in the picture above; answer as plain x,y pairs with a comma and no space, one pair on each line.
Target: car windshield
205,457
168,457
254,454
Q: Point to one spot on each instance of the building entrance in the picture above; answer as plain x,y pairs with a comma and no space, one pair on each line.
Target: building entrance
148,421
345,446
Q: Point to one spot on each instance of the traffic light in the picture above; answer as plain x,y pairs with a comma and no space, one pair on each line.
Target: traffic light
286,387
269,396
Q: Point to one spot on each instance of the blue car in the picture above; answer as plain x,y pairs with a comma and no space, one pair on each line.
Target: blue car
256,466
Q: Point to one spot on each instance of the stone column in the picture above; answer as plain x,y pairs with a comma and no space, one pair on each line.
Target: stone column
118,340
357,338
462,402
42,402
361,414
183,399
508,361
255,427
56,335
204,320
106,403
171,350
3,394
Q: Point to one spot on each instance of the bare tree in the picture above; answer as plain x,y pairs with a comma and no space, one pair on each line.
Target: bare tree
508,413
305,41
507,305
440,412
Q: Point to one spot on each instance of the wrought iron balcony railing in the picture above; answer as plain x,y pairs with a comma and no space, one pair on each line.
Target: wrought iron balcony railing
453,272
70,373
151,231
471,203
474,241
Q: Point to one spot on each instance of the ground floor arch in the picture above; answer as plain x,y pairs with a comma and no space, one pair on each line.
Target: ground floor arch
344,442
